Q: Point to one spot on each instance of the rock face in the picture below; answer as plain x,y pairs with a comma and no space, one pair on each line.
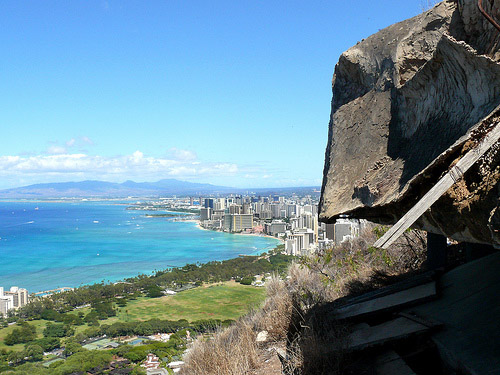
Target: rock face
407,103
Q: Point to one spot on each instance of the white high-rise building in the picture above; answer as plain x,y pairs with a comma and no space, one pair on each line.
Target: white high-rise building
220,204
13,299
346,229
5,305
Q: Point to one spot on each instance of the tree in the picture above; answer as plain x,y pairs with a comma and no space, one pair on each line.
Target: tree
144,329
83,361
247,280
72,319
34,352
21,335
48,343
103,310
57,330
92,332
16,357
154,291
50,314
72,347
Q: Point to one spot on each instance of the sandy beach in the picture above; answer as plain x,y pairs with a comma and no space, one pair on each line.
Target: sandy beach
238,234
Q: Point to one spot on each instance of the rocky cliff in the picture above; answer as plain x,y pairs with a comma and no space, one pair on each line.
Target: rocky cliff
407,103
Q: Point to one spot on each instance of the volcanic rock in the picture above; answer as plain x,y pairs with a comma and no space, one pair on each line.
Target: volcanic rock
407,103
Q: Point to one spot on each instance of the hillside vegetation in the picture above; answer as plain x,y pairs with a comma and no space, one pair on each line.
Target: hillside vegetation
208,296
290,317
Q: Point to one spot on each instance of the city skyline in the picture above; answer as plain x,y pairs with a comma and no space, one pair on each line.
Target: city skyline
231,94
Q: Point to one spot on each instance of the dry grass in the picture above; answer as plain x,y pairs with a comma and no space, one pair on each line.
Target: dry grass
296,313
230,352
275,316
234,351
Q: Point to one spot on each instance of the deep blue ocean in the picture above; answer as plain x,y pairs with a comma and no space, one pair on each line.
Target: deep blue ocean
45,245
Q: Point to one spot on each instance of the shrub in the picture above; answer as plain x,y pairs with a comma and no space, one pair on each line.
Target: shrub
154,291
247,280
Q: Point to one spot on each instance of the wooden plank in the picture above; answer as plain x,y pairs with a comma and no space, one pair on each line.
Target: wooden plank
428,322
408,283
396,329
359,326
453,175
390,363
388,302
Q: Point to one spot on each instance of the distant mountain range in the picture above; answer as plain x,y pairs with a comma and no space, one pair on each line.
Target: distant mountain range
92,188
102,189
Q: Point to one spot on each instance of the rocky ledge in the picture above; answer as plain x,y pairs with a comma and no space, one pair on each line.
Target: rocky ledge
407,103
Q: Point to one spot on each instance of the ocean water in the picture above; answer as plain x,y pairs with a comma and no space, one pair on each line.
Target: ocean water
45,245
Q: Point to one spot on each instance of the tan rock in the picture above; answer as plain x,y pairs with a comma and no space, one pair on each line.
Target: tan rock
405,102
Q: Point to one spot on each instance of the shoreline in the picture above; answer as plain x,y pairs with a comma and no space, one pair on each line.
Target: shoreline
94,269
198,225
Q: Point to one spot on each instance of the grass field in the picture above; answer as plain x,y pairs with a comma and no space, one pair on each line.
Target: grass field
39,324
222,301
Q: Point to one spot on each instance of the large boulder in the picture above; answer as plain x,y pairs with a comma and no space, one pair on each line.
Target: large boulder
407,103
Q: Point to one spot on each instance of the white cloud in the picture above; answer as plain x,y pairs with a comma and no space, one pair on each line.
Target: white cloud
78,143
87,140
56,150
183,155
81,165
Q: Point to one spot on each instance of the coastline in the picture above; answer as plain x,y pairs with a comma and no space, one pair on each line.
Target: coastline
103,243
237,234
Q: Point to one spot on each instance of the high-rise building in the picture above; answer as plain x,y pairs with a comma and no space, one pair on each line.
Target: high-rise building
330,231
205,214
13,299
247,208
346,229
275,209
265,214
238,222
209,203
275,227
291,210
5,306
308,208
19,296
220,204
235,209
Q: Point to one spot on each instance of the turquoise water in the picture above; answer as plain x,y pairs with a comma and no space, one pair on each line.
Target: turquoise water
49,245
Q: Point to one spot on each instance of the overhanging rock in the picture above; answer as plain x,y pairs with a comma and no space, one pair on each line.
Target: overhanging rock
407,104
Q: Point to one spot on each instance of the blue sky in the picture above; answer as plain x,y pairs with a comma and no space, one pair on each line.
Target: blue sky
233,93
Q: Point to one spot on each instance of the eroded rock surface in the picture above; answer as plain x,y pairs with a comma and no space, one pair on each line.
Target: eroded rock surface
406,102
